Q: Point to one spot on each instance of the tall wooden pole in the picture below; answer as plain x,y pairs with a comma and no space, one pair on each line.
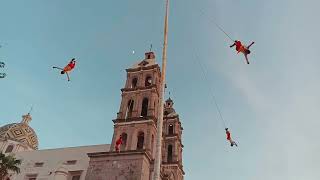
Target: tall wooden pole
157,163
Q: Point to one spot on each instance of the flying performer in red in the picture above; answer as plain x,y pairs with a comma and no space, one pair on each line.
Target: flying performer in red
118,143
68,68
242,48
232,143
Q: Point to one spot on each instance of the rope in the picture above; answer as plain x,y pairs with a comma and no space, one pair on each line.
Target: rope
212,94
217,25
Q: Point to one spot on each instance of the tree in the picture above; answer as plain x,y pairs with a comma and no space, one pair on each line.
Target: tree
8,163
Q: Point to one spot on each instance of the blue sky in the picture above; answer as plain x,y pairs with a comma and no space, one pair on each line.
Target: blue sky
271,105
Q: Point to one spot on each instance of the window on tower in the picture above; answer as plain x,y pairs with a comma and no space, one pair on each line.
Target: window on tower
140,141
38,164
124,141
144,111
170,132
134,82
76,177
148,81
170,153
70,162
31,176
9,149
129,109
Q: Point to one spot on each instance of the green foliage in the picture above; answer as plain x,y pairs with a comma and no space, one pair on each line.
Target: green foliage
8,163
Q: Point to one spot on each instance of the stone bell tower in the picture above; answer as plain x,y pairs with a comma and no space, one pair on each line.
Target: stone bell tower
137,117
172,144
136,122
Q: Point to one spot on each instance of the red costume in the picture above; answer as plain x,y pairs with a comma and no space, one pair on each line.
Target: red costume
118,143
70,66
228,135
242,48
229,138
238,45
67,68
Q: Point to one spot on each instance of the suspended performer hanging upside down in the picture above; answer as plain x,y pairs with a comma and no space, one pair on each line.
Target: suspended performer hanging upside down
229,138
242,48
118,144
68,68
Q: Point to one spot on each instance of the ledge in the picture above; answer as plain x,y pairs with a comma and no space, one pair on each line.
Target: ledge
123,153
177,163
170,117
135,119
155,66
140,88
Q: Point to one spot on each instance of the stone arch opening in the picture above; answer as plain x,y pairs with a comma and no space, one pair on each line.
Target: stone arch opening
129,109
170,151
134,82
124,141
171,129
140,141
148,81
145,103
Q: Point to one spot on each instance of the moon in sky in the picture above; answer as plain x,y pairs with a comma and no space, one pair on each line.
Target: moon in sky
132,52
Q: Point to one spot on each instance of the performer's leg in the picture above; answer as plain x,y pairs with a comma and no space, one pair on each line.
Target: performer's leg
68,76
245,55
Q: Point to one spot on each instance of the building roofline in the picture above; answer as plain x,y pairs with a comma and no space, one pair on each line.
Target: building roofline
72,147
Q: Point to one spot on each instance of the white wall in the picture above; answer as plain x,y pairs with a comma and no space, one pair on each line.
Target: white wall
54,162
18,146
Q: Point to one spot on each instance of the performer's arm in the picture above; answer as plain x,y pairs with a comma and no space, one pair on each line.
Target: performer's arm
57,68
250,45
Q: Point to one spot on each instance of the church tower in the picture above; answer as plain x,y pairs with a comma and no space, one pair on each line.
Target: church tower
136,123
137,117
172,144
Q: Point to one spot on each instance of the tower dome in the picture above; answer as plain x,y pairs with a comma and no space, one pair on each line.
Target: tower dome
20,132
168,108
